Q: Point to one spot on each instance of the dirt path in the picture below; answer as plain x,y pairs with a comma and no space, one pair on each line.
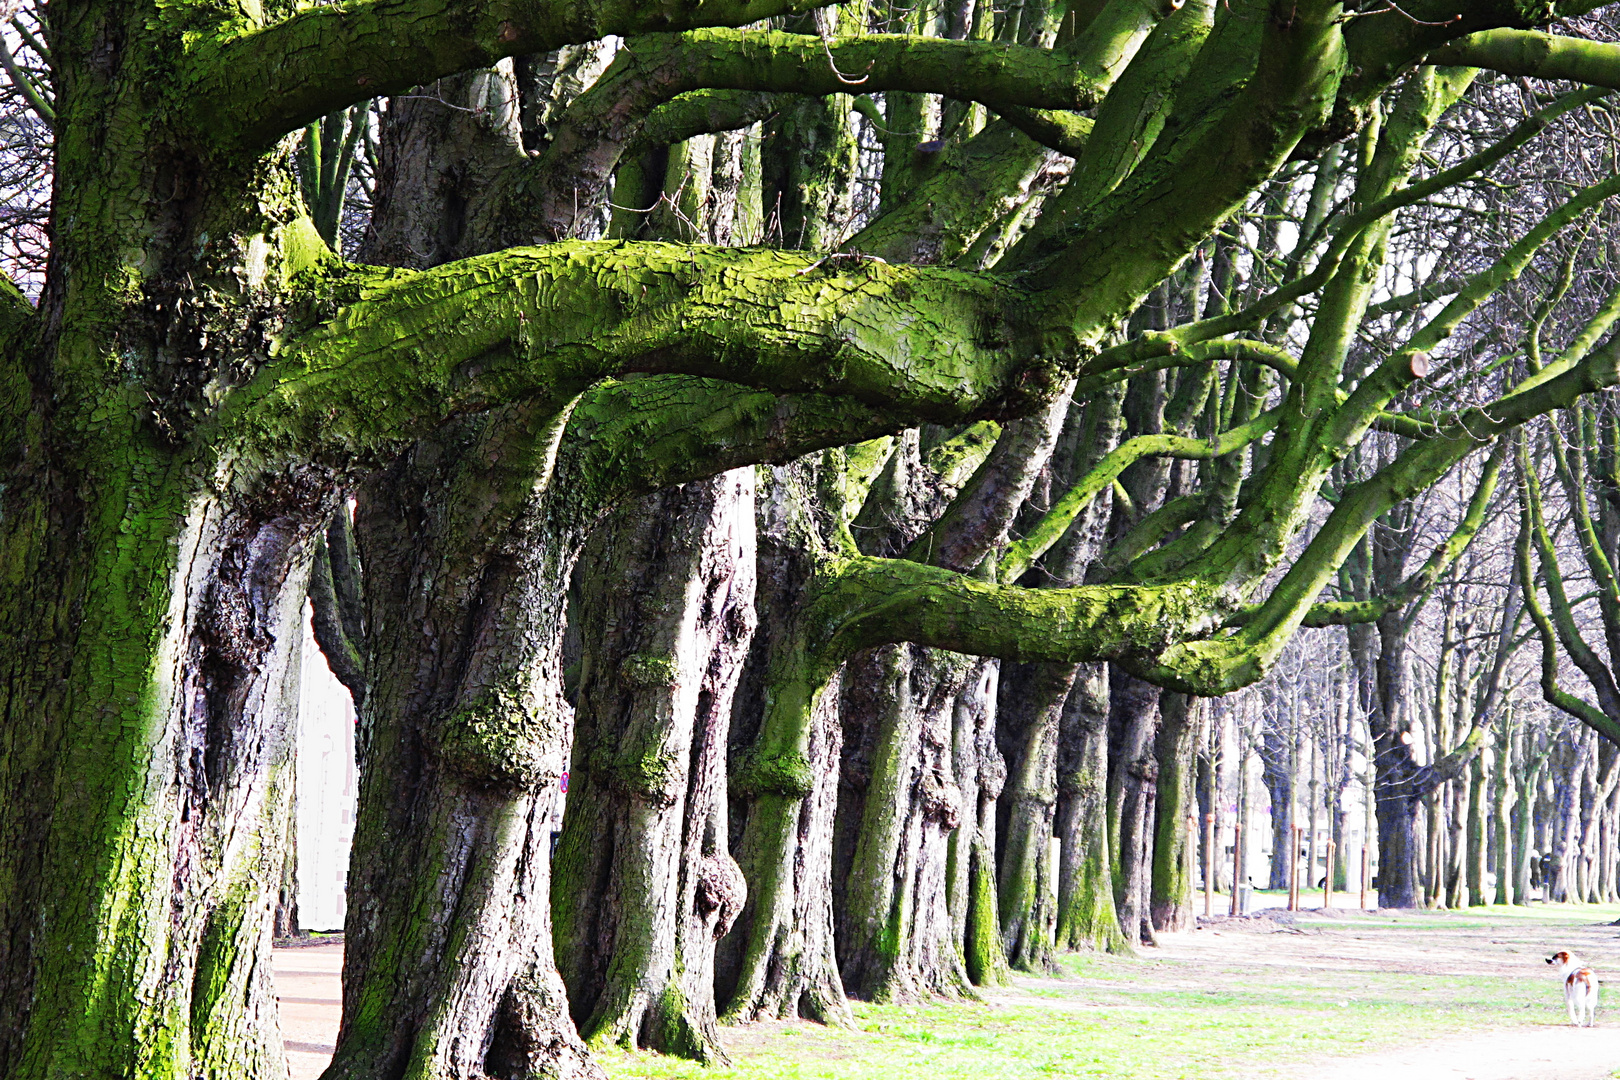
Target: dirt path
1536,1053
1436,946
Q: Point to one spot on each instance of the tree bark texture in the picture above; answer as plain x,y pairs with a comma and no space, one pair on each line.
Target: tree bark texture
1175,831
464,731
1027,716
1086,918
145,794
643,881
899,804
448,968
1133,791
981,774
779,960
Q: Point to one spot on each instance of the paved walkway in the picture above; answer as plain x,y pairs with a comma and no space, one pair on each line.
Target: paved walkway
309,984
1513,1054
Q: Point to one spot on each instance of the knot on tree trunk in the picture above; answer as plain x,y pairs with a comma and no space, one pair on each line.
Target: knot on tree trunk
992,774
939,799
721,890
499,741
787,774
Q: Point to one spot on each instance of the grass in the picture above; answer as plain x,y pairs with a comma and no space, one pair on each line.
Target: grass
1212,1009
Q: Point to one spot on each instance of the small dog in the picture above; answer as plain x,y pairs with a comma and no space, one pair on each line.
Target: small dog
1580,988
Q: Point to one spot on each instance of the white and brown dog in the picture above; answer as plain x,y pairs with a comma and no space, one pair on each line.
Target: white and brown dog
1580,988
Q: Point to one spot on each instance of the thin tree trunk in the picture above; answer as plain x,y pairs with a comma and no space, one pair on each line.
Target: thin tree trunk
1276,772
1566,835
1478,848
1505,821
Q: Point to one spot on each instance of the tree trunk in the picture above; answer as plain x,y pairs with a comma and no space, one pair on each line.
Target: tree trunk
464,732
1567,827
1526,874
1133,787
982,773
1459,812
1086,916
780,961
1277,773
146,771
898,805
1478,837
1175,835
1031,703
448,969
284,923
643,883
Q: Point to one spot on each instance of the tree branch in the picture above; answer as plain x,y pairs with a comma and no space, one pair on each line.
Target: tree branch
1022,555
1344,235
249,90
334,608
592,136
410,349
26,86
1447,552
1224,664
1536,55
880,601
1595,718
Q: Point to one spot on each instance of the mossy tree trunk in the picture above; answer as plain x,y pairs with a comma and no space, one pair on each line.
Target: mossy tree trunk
1175,829
780,958
1133,723
981,774
643,882
1027,732
1086,915
895,935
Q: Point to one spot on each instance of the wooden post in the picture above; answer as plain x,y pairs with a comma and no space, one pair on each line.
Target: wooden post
1366,865
1327,881
1209,864
1293,867
1237,862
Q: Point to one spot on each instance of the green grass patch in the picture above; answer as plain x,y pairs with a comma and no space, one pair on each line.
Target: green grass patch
1231,1013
